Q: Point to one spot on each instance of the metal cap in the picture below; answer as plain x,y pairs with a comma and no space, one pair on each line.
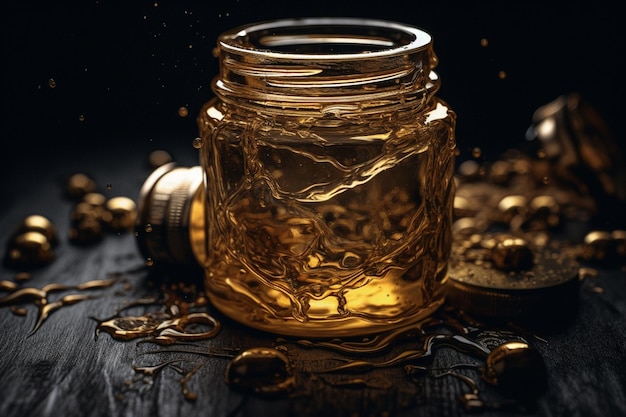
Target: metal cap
163,222
548,291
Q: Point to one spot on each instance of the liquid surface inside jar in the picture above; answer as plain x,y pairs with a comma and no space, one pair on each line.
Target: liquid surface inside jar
328,165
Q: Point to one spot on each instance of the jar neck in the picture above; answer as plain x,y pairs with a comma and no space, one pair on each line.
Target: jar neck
338,66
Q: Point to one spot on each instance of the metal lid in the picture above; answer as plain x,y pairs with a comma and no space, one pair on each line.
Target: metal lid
546,291
163,222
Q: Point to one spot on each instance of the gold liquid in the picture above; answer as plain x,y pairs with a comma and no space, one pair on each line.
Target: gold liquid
40,297
330,231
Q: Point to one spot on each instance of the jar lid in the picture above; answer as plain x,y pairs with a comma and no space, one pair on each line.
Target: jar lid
163,223
547,292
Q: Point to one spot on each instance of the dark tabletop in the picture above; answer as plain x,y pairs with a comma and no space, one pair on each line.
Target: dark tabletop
63,368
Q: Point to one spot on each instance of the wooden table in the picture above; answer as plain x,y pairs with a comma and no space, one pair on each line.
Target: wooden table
63,369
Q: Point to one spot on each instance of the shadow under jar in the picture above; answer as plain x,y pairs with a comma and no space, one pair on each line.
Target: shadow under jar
328,163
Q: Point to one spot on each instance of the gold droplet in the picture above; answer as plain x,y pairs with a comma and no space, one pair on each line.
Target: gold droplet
52,83
183,111
87,231
484,42
502,75
197,143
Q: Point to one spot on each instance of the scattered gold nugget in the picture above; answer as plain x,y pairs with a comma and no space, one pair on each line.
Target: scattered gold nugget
29,249
78,185
41,224
121,213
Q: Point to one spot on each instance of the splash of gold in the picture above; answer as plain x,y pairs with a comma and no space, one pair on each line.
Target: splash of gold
40,297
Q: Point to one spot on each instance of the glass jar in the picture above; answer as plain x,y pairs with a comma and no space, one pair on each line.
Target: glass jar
328,166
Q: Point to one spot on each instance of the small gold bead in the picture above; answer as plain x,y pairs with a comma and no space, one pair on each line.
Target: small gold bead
512,253
86,232
41,224
29,249
95,199
158,158
78,185
122,213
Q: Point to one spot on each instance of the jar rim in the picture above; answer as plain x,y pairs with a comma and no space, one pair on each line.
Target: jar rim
265,38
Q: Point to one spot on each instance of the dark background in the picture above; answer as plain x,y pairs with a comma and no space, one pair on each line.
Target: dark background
125,69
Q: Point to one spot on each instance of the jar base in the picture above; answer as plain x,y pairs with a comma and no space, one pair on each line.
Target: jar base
351,325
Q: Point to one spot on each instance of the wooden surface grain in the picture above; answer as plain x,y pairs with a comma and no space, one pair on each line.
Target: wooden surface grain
63,369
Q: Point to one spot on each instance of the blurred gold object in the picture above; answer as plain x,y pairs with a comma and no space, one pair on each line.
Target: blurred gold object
32,243
79,184
41,224
580,150
29,249
159,157
121,213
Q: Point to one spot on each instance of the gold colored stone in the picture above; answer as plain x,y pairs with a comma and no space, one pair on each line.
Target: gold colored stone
78,185
469,170
41,224
512,253
517,368
87,231
500,172
463,207
122,213
159,157
94,199
30,249
619,239
83,211
512,206
597,246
